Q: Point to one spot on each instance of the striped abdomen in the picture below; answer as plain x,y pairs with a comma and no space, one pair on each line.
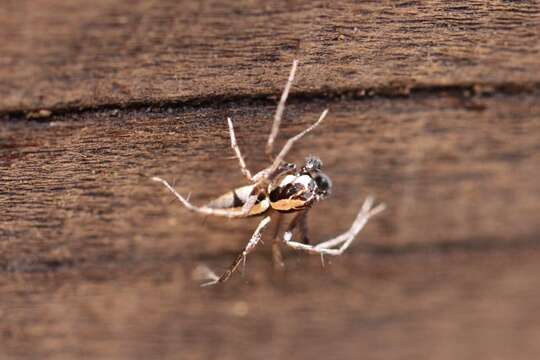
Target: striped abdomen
236,198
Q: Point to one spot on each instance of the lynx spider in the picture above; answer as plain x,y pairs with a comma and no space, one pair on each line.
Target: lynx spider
280,188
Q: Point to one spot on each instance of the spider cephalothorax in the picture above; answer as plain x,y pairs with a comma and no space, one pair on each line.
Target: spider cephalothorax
280,188
313,168
299,189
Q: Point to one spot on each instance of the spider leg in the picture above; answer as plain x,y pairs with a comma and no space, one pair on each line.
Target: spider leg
279,111
241,258
299,221
366,212
230,213
234,145
344,240
274,169
288,145
304,228
277,256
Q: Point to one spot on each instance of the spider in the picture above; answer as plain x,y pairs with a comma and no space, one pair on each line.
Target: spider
280,188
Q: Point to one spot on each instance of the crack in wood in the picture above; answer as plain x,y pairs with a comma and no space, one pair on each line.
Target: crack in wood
465,91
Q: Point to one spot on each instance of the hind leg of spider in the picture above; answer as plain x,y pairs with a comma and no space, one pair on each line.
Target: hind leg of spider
344,240
241,258
230,213
243,168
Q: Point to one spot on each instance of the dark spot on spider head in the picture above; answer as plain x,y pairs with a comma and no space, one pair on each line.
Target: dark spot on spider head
312,168
324,184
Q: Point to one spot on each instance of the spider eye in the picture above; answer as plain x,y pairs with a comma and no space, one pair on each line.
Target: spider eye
313,163
324,184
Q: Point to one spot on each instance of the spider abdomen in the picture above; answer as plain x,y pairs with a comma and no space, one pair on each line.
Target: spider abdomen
236,199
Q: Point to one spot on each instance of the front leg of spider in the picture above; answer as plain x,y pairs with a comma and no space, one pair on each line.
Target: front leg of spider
241,258
337,245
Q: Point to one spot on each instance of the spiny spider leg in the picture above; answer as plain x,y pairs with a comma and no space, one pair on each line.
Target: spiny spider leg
345,239
236,149
255,238
288,145
361,219
270,171
279,111
230,213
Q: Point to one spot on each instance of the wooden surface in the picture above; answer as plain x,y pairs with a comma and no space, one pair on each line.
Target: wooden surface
434,109
87,54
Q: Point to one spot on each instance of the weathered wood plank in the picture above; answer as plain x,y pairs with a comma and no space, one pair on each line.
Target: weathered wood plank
78,53
465,305
78,189
97,261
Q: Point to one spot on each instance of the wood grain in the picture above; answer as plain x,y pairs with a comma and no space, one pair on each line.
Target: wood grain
61,54
81,189
407,306
434,109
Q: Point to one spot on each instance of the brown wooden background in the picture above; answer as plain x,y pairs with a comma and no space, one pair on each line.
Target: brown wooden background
434,108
